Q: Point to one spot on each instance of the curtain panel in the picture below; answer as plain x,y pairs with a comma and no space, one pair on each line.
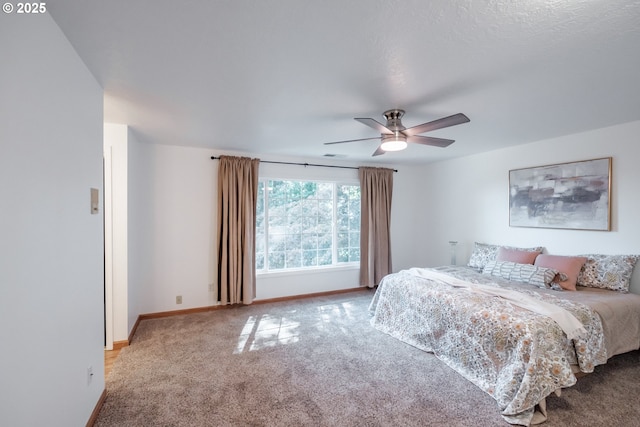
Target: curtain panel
376,188
237,198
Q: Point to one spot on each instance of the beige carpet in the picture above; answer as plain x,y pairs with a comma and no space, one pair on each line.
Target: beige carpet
318,362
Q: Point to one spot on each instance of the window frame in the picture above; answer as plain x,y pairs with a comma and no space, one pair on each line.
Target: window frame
335,265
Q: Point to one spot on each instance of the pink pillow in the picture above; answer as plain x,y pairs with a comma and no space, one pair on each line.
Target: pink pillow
569,265
514,255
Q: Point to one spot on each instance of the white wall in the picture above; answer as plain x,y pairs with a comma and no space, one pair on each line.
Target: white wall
170,227
51,251
141,238
470,199
172,217
173,200
410,210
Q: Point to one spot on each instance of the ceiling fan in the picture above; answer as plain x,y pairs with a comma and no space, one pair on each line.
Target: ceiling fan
395,136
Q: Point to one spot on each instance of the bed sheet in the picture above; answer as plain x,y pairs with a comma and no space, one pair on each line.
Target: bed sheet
515,355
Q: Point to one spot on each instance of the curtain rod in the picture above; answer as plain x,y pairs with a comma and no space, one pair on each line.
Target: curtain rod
303,164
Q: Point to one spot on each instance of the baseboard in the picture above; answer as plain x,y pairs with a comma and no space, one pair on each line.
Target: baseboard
179,312
96,410
316,294
117,345
133,330
223,307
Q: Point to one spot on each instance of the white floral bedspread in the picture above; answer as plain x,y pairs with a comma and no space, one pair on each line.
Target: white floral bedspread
517,356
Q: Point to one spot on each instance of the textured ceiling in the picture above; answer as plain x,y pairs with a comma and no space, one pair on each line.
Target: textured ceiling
282,77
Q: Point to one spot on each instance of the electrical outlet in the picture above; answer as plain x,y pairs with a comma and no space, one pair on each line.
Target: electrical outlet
179,299
89,374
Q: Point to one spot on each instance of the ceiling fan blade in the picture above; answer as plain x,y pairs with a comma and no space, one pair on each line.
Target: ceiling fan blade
444,122
374,124
351,140
430,140
378,152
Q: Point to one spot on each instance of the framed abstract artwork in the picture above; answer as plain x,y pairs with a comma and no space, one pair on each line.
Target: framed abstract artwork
574,195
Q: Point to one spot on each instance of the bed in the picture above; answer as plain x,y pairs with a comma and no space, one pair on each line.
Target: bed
491,331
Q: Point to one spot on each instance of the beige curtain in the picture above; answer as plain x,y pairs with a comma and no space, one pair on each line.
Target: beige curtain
237,197
376,187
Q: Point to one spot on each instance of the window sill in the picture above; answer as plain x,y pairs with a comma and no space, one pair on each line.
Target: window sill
305,271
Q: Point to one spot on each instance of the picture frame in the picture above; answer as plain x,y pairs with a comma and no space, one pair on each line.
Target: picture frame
575,196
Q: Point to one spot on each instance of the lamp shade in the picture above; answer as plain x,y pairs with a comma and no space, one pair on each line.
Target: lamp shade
394,143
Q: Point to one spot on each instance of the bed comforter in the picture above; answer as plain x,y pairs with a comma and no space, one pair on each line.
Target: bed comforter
515,355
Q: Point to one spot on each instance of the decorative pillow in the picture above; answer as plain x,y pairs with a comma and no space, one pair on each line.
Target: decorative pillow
516,255
542,277
607,271
483,253
569,265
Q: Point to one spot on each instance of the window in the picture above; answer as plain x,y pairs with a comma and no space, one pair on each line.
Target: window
306,224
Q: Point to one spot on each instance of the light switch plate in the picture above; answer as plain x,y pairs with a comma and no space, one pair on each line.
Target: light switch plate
95,201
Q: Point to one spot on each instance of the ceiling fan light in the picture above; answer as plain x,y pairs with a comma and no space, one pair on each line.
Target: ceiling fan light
394,144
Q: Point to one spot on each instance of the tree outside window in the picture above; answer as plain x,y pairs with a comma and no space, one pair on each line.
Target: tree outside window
306,224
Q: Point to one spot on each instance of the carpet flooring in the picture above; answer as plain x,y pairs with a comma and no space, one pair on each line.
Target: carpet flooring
318,362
